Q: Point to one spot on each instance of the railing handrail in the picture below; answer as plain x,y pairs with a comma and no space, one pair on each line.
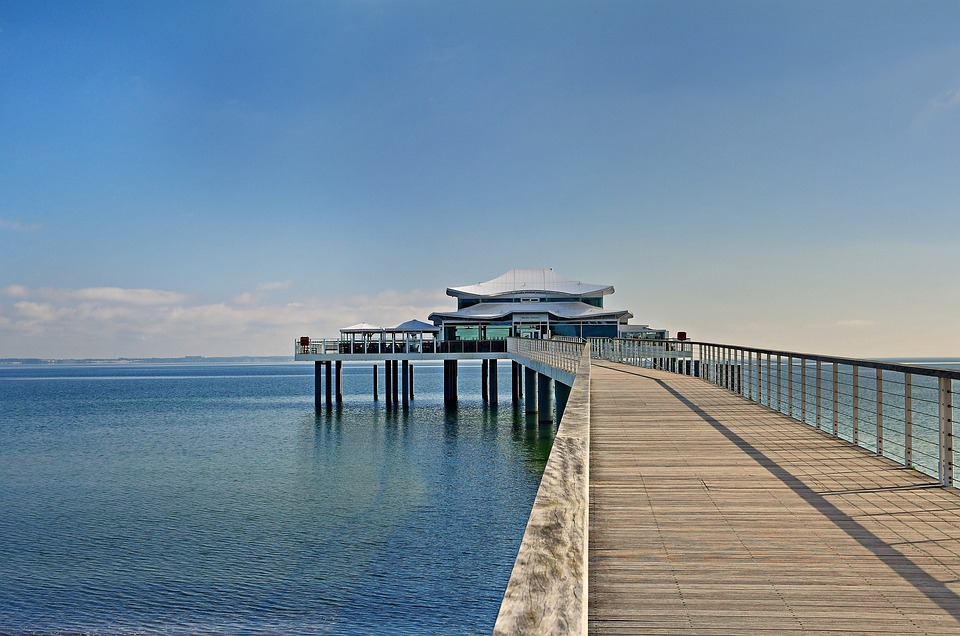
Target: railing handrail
908,419
862,362
561,353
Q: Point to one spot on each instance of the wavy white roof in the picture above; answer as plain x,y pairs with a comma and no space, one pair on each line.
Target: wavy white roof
361,327
521,281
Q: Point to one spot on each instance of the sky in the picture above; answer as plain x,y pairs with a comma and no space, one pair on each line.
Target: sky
220,177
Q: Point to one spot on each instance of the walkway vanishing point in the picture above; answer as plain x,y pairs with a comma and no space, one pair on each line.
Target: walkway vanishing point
711,514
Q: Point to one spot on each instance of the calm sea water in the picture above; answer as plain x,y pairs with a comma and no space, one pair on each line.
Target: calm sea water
213,499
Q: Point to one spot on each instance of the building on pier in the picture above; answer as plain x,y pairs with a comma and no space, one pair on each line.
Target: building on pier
524,304
534,303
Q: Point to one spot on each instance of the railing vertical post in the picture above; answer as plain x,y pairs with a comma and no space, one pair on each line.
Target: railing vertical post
803,390
759,378
836,399
819,391
732,368
790,386
725,361
908,419
724,378
856,404
946,432
879,411
779,382
738,360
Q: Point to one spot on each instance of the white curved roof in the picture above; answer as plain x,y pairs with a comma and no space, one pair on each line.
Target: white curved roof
520,281
361,327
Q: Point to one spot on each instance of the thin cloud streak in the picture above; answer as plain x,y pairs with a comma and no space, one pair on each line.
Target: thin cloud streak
17,226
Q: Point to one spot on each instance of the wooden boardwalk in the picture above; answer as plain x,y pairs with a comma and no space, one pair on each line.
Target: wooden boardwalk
712,515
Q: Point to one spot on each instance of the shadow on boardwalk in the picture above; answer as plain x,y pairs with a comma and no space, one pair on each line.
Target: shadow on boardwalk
687,536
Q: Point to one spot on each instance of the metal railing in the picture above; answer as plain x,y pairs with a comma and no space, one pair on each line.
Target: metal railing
901,412
560,353
337,346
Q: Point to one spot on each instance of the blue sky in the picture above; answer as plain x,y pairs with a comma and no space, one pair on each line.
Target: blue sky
217,178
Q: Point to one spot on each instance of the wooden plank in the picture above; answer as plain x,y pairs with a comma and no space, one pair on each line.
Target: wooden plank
712,515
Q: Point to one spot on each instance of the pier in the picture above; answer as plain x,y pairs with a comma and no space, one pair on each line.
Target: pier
695,487
769,492
545,383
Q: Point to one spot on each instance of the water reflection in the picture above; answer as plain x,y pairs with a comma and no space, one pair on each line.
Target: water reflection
536,437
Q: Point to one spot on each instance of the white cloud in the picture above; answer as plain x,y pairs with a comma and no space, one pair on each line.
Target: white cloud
131,296
262,290
17,291
42,312
17,226
938,107
946,101
280,284
112,322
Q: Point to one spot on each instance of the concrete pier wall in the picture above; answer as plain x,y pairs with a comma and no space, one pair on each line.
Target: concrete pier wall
547,591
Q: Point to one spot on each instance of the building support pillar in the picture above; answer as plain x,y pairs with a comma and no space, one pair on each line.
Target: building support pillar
387,385
376,382
450,381
530,390
317,385
328,373
484,371
411,380
562,392
515,382
545,397
492,384
396,383
405,377
339,382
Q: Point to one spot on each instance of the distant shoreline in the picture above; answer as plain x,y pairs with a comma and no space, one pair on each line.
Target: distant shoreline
180,360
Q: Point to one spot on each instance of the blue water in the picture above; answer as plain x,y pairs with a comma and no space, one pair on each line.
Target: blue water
175,499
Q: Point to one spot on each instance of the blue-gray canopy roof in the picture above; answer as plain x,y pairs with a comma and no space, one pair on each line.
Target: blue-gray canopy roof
559,311
415,326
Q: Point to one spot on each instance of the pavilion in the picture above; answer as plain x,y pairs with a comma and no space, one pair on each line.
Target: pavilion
534,303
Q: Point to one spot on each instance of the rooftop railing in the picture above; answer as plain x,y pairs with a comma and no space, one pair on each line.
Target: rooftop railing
898,411
326,346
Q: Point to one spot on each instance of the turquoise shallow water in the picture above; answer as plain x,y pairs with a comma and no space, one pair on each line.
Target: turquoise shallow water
212,498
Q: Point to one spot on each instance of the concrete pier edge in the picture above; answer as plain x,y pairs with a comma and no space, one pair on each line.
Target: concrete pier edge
547,591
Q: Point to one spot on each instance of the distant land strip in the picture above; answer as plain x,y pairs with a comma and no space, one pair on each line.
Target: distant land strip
181,360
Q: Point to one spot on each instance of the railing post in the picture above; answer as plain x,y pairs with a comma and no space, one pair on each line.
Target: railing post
908,419
856,405
836,399
803,390
727,368
779,382
819,392
759,378
946,432
790,386
879,411
769,392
